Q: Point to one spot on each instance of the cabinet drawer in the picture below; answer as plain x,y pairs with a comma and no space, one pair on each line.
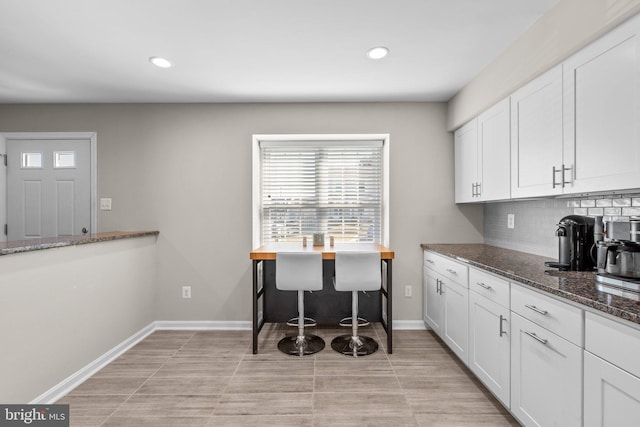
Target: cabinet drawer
447,267
556,316
490,286
613,341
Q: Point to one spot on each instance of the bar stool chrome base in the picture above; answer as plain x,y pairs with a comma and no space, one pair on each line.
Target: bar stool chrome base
304,345
354,346
308,322
347,322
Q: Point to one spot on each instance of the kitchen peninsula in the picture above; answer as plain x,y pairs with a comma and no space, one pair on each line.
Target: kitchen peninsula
66,303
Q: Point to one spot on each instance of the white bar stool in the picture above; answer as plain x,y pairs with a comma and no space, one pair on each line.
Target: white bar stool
356,271
299,271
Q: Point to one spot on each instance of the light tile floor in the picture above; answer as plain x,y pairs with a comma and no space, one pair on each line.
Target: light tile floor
211,378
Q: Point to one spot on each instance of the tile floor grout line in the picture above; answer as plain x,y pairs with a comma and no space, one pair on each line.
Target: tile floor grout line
148,378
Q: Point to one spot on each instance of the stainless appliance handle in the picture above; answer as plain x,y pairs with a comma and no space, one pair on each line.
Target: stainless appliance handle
482,285
535,337
536,309
501,331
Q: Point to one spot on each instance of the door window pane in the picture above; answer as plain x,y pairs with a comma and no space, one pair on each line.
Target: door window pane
64,159
31,160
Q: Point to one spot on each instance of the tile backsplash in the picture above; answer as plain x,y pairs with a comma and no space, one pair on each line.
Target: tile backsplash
610,208
536,220
534,229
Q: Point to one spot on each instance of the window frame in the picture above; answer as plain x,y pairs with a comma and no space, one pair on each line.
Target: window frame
256,169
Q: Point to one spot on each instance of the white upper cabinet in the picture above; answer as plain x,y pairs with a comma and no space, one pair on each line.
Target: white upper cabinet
536,137
482,156
493,143
602,112
466,162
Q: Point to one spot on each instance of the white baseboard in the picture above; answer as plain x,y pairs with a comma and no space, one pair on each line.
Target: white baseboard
408,325
202,325
74,380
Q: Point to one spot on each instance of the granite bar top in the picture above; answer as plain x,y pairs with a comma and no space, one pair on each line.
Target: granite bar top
528,269
29,245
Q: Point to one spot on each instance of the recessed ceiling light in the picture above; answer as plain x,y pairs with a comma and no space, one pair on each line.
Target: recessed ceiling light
377,52
160,62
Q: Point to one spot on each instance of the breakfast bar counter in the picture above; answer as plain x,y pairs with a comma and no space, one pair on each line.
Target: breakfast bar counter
261,300
37,244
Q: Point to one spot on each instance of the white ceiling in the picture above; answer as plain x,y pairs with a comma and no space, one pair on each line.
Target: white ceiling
251,50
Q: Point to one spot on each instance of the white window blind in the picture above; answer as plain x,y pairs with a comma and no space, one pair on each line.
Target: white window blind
332,187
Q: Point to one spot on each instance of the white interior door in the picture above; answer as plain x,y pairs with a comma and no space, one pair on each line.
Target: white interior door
48,187
3,189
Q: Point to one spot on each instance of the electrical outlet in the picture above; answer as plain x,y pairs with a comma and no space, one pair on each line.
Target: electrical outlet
511,220
407,291
186,292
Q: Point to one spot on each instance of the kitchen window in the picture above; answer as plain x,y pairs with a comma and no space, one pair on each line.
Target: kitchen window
332,184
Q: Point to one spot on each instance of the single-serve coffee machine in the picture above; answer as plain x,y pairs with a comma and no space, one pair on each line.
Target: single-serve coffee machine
575,243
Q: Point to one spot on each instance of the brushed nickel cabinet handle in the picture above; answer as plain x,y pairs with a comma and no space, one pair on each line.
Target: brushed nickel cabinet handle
430,261
535,337
482,285
564,181
451,271
536,309
501,331
553,177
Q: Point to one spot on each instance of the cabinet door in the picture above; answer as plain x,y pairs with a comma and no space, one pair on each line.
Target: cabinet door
489,345
611,395
536,136
546,376
456,318
433,303
466,161
494,171
602,112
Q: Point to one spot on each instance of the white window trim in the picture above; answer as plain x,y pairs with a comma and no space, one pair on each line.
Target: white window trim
257,139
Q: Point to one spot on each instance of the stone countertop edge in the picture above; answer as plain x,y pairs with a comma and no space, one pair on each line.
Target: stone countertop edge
30,245
528,269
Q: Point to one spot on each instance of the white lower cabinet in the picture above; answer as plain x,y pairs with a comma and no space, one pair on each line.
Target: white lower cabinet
433,306
611,369
611,395
489,344
446,302
546,376
456,318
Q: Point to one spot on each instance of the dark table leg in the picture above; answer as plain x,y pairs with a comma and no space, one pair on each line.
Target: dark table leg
255,306
389,308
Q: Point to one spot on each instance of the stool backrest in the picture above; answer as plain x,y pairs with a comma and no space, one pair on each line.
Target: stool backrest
299,271
358,271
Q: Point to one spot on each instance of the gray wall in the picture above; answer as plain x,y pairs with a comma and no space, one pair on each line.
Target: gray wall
535,225
185,170
566,28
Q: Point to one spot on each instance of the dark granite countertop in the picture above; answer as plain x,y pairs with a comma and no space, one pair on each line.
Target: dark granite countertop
528,269
58,242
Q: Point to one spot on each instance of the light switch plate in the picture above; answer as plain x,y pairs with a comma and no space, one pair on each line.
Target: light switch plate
105,204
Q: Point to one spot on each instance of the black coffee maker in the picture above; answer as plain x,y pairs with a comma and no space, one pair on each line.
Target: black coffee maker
575,243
